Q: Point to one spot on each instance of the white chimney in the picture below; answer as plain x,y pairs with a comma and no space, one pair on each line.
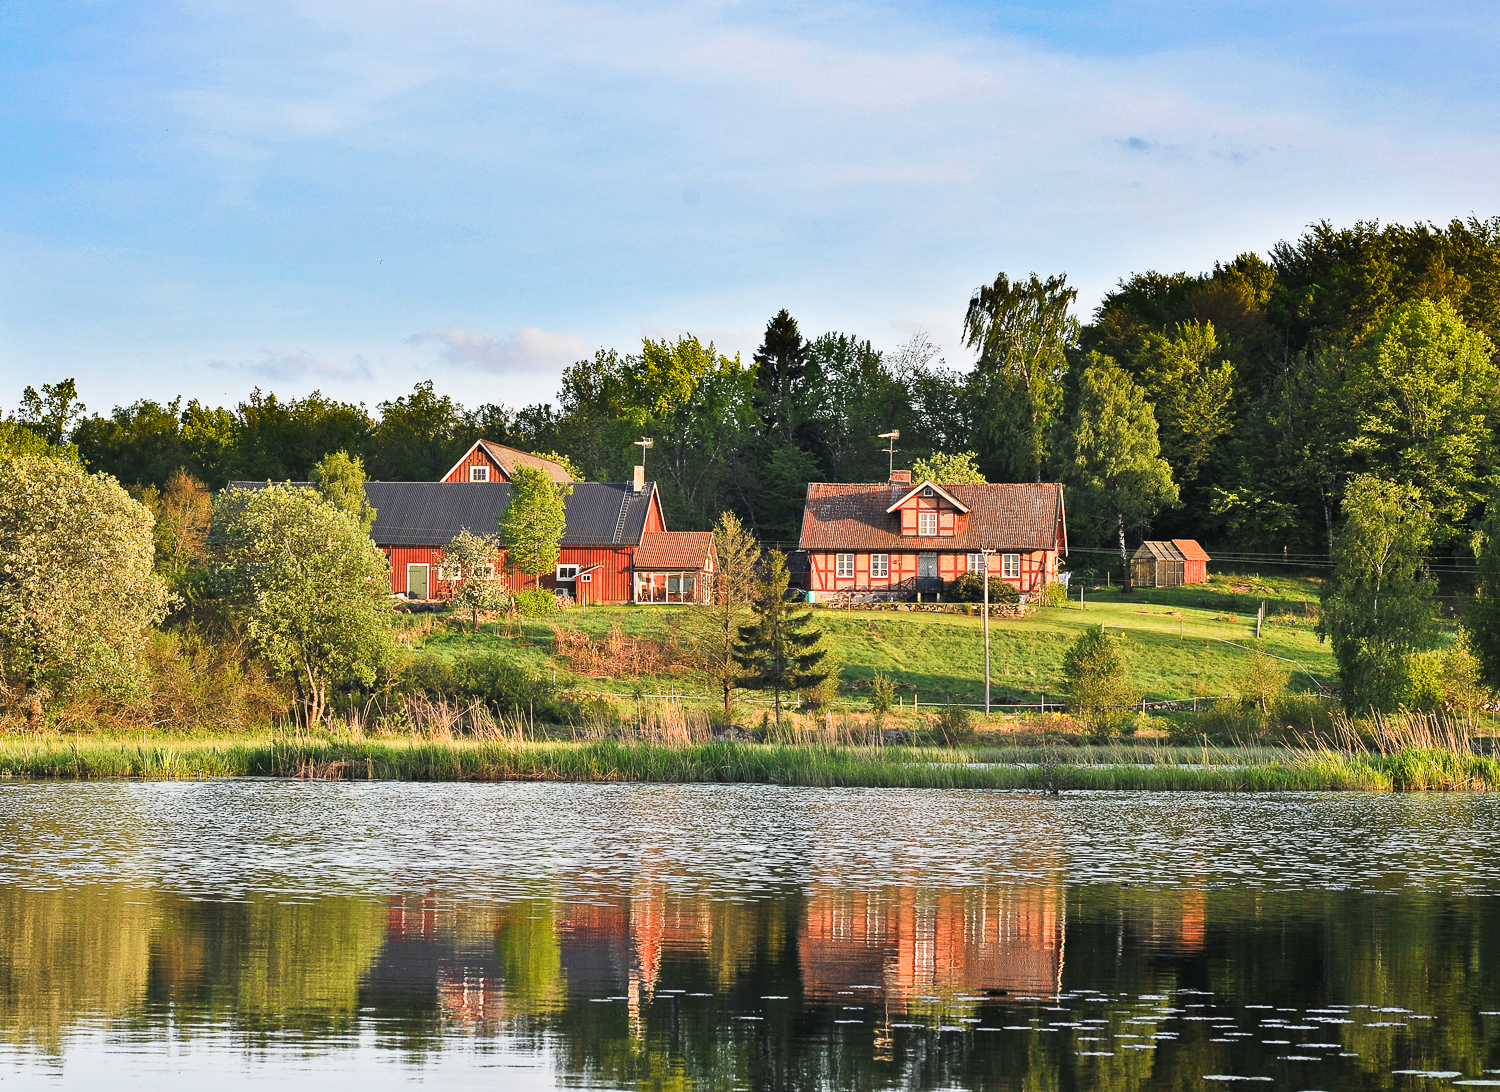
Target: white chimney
640,479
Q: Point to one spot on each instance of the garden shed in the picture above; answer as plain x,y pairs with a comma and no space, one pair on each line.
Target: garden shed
1168,563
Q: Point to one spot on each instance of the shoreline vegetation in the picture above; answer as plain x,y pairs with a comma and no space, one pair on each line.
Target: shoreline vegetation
1044,768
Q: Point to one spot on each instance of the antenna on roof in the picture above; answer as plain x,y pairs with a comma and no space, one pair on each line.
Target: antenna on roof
892,436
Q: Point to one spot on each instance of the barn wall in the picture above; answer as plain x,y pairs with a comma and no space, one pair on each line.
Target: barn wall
402,556
1194,572
477,457
654,520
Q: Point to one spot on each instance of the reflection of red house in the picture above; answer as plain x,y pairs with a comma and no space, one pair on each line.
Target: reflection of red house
897,538
916,944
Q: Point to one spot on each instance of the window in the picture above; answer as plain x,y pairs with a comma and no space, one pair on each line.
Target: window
1010,566
976,563
926,523
485,572
450,573
845,565
927,492
880,565
479,473
566,574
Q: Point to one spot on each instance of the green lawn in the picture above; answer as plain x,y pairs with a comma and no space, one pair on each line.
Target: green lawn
1182,642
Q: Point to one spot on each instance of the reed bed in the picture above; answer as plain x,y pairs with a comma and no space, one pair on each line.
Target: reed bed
723,761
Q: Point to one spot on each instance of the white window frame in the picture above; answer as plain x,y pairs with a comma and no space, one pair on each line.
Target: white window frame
567,574
927,524
976,563
1010,566
448,573
880,566
843,567
485,571
479,473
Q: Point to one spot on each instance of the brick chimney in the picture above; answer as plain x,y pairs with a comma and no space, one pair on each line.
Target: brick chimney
900,477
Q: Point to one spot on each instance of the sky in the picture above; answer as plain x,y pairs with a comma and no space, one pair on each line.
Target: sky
205,197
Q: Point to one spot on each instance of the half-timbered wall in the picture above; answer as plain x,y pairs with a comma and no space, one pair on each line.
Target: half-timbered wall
1038,567
950,521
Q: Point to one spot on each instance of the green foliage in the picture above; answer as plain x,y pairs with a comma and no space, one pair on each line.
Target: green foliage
563,461
1022,333
1191,389
309,589
960,469
1422,391
340,480
498,682
781,650
78,594
1113,460
1053,594
714,626
969,588
535,602
533,523
1097,677
51,413
1262,683
1377,607
470,566
1483,615
17,440
954,726
882,693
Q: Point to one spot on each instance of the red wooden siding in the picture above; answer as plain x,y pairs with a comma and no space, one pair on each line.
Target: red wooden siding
611,583
654,522
477,457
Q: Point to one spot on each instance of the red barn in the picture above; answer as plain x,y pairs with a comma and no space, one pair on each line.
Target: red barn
616,547
893,539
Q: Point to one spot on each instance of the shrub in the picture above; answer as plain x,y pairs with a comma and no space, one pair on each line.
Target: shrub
1301,715
882,693
486,677
954,726
1262,682
968,588
1098,682
1227,722
1053,594
820,697
535,602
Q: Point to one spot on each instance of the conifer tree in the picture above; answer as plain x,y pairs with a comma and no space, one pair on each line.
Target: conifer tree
781,650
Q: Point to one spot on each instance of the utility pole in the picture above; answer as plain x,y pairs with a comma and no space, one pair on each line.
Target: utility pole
890,449
984,574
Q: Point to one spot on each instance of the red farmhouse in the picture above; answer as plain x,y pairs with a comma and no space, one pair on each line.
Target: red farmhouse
894,539
616,548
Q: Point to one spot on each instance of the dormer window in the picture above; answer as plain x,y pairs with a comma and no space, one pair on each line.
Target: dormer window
927,523
927,491
479,473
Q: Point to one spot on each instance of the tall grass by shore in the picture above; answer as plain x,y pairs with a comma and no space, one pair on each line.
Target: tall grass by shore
839,765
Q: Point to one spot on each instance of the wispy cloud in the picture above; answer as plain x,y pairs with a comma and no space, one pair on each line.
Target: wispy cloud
527,350
288,364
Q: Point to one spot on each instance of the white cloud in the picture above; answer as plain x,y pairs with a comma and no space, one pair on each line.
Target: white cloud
284,364
527,350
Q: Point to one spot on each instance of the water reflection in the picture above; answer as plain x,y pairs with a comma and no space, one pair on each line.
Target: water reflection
634,975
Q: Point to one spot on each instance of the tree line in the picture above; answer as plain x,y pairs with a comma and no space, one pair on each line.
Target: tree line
1234,405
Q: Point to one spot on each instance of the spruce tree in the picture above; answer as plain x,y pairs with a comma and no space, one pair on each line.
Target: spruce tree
781,650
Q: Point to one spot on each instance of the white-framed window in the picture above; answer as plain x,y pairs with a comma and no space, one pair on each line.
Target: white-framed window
1010,566
566,574
449,573
479,473
976,563
485,572
845,565
927,491
880,566
926,523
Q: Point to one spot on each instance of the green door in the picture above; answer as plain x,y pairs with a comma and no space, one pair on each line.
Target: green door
416,581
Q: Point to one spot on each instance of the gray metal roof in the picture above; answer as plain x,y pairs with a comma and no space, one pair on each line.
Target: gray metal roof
431,513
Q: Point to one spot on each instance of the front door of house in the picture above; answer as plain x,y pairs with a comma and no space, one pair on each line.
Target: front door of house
927,573
416,581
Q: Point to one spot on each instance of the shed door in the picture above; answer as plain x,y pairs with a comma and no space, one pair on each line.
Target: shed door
416,581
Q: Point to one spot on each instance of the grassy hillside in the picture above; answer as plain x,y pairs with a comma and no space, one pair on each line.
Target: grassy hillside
1182,642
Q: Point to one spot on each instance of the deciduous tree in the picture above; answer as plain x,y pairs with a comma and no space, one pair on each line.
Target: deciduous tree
340,480
534,522
716,624
78,594
1097,673
470,566
309,589
960,469
1377,605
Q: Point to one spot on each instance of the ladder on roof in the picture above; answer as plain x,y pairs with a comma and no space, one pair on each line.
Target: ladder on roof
620,523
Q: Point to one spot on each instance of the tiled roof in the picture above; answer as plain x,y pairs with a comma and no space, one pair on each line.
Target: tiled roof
431,513
1190,550
509,458
682,550
853,517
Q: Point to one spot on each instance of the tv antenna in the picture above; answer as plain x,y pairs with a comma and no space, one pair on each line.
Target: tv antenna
643,443
892,436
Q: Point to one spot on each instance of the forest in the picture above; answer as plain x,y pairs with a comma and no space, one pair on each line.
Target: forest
1253,392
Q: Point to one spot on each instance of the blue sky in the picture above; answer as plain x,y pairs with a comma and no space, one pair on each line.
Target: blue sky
205,197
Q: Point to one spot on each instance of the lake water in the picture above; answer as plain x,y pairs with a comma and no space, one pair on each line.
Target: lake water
367,936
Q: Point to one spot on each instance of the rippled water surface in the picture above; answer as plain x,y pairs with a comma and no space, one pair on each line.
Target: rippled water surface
516,935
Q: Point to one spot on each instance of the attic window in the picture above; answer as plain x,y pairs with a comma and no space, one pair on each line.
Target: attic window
927,491
927,523
479,473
